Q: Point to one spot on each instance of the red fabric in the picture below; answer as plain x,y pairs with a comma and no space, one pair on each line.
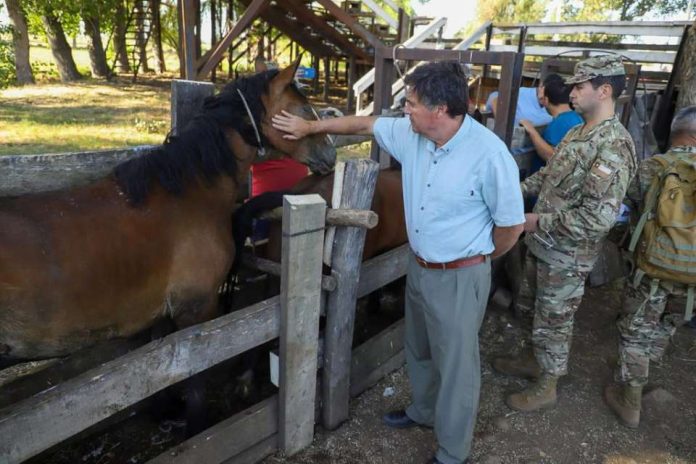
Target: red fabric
277,174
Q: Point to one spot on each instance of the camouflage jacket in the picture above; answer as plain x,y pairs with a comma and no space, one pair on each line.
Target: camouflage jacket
580,192
648,169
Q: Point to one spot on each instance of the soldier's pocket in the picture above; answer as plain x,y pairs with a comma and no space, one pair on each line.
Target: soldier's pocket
599,179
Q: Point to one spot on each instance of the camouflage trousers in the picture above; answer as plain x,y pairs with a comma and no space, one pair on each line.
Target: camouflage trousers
548,298
644,329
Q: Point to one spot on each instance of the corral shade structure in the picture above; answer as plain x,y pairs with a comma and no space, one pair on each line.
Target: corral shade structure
321,27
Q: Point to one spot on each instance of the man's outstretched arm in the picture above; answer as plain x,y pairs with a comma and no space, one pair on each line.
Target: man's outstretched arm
297,127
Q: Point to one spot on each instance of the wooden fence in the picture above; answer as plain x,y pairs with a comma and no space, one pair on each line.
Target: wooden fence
284,422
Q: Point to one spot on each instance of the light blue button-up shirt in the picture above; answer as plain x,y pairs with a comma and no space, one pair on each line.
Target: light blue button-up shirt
455,194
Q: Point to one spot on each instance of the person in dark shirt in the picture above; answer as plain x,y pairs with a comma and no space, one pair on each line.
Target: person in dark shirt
554,95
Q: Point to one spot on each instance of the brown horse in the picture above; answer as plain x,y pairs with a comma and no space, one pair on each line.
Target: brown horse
151,240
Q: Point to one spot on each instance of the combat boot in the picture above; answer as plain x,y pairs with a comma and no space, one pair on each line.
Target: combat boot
525,365
540,395
624,401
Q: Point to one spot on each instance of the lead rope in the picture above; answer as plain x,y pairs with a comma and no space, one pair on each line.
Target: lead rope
260,150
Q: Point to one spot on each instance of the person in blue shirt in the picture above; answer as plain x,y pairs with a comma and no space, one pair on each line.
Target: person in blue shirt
554,95
463,206
528,106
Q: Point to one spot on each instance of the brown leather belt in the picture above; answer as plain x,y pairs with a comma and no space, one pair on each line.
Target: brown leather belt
456,264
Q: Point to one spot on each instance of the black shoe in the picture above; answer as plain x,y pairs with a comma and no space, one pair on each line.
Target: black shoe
435,460
399,420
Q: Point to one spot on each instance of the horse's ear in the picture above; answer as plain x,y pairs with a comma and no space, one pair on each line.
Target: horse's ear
287,75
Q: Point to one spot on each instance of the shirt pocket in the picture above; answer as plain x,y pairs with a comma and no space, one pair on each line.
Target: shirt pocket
599,178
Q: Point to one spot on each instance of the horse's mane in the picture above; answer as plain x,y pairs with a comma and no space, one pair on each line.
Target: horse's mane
201,149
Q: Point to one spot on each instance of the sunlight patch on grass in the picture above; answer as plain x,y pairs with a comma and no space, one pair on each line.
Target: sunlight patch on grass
82,116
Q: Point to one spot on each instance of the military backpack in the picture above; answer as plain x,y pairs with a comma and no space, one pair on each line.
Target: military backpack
664,242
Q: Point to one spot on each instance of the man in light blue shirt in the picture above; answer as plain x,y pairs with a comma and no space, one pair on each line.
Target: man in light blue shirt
463,206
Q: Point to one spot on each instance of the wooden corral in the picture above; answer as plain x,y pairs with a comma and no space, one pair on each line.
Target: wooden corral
283,422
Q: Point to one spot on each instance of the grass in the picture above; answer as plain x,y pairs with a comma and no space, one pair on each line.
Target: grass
84,116
92,114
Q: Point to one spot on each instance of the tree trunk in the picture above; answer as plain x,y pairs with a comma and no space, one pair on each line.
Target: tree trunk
62,53
122,61
95,47
141,36
687,77
20,39
213,37
160,67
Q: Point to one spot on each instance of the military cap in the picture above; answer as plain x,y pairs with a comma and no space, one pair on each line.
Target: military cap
603,65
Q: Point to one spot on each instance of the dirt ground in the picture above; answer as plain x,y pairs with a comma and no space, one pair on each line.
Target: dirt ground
580,429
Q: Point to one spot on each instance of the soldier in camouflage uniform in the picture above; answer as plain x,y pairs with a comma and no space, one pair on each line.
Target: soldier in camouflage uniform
644,329
580,192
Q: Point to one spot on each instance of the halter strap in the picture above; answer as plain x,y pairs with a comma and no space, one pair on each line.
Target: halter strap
261,151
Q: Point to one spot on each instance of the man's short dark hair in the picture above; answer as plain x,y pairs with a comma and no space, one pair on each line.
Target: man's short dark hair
684,121
441,83
555,90
617,83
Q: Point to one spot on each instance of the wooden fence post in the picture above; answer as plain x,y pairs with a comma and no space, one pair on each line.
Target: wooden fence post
187,98
300,296
358,189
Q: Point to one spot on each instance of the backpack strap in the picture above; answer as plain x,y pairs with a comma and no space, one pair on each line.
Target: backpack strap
650,203
689,310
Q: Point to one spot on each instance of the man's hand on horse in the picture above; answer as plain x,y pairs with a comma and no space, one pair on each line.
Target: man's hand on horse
295,126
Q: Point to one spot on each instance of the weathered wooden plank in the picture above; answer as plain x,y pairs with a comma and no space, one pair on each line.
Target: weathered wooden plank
328,283
383,269
665,57
300,297
641,28
257,452
359,186
376,357
48,418
187,99
228,439
63,369
24,174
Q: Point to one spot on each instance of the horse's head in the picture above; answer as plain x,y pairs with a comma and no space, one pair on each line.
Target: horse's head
315,151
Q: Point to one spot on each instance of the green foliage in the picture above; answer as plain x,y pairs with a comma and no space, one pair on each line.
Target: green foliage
149,126
7,59
621,10
511,11
45,71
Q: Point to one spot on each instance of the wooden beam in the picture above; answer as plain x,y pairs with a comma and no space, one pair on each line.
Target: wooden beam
309,18
358,189
42,421
247,18
300,299
25,174
353,24
228,439
277,17
509,88
640,28
383,269
187,99
378,356
188,20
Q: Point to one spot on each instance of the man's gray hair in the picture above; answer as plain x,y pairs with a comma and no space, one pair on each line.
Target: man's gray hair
684,121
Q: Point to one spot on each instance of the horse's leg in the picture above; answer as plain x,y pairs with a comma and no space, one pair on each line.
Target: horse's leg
186,312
